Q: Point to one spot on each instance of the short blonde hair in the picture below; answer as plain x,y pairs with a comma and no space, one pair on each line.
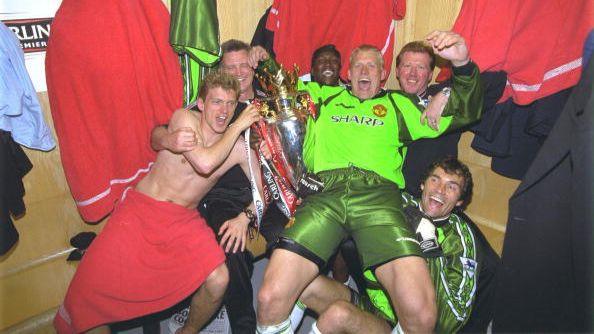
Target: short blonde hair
367,48
218,79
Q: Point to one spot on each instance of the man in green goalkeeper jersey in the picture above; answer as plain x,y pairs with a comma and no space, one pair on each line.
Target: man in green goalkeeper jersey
448,244
356,147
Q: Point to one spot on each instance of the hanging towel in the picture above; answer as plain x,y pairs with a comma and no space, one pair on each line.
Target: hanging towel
150,255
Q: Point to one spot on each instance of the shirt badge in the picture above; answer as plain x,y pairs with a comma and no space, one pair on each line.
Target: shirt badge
380,110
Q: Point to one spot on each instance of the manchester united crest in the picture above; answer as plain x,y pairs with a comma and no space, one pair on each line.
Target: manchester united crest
379,110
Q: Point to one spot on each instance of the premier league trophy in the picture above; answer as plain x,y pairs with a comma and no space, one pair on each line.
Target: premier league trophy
285,112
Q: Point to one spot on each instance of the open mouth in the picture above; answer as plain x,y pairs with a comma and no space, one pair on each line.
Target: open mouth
221,119
435,202
328,73
364,84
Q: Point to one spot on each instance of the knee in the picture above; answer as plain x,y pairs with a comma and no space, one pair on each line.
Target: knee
333,319
269,294
419,316
216,283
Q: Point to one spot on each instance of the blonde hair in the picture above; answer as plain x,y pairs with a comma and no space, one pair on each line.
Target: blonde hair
367,48
218,79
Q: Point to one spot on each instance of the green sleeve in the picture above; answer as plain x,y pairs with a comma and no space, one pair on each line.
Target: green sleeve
408,117
464,106
466,98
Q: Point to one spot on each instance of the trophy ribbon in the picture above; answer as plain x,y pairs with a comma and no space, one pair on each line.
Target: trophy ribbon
258,203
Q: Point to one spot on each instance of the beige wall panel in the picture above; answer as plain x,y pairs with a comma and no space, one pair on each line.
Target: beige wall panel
35,290
238,19
34,274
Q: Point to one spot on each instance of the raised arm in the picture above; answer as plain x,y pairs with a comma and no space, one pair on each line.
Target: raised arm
465,101
466,96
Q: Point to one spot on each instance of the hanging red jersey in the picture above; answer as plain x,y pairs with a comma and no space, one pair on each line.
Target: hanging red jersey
537,42
112,76
301,26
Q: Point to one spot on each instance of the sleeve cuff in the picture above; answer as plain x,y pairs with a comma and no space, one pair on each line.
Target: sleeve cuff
465,70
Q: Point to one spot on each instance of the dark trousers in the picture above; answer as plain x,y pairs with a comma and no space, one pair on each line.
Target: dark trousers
239,296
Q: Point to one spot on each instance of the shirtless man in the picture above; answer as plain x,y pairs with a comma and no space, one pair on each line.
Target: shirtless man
156,249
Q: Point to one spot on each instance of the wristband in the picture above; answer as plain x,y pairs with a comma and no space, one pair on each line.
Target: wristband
250,215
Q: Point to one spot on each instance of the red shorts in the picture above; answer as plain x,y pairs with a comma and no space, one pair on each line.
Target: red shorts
149,256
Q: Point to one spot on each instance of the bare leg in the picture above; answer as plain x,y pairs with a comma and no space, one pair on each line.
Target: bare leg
322,292
409,285
343,317
287,274
207,300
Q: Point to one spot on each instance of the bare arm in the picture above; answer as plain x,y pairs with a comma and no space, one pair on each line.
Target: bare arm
178,141
205,159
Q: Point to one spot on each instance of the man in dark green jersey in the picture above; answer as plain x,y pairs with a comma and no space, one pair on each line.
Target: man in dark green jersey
448,244
356,147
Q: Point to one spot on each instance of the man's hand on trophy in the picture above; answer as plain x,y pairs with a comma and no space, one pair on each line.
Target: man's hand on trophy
247,117
265,150
256,55
181,140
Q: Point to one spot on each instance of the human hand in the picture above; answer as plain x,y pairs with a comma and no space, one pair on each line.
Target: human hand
257,54
450,46
434,109
181,140
265,150
247,117
234,233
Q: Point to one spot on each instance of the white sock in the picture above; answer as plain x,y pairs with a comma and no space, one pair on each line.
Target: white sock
282,328
314,329
297,315
397,329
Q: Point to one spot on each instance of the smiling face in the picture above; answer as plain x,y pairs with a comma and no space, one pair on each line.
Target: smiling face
366,73
441,193
217,110
414,72
326,68
236,64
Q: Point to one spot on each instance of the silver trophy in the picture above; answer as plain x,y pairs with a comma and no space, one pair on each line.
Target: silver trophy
285,112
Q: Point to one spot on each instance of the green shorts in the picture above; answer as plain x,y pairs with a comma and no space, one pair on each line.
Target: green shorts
354,202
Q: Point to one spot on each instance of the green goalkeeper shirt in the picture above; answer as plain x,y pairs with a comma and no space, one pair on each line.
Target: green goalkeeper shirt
454,275
371,134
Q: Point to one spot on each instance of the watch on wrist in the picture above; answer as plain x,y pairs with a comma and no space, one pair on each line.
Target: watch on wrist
447,91
250,215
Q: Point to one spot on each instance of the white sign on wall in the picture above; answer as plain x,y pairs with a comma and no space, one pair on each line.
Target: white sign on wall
31,20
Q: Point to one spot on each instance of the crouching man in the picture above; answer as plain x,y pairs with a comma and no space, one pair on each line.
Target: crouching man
156,249
448,245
